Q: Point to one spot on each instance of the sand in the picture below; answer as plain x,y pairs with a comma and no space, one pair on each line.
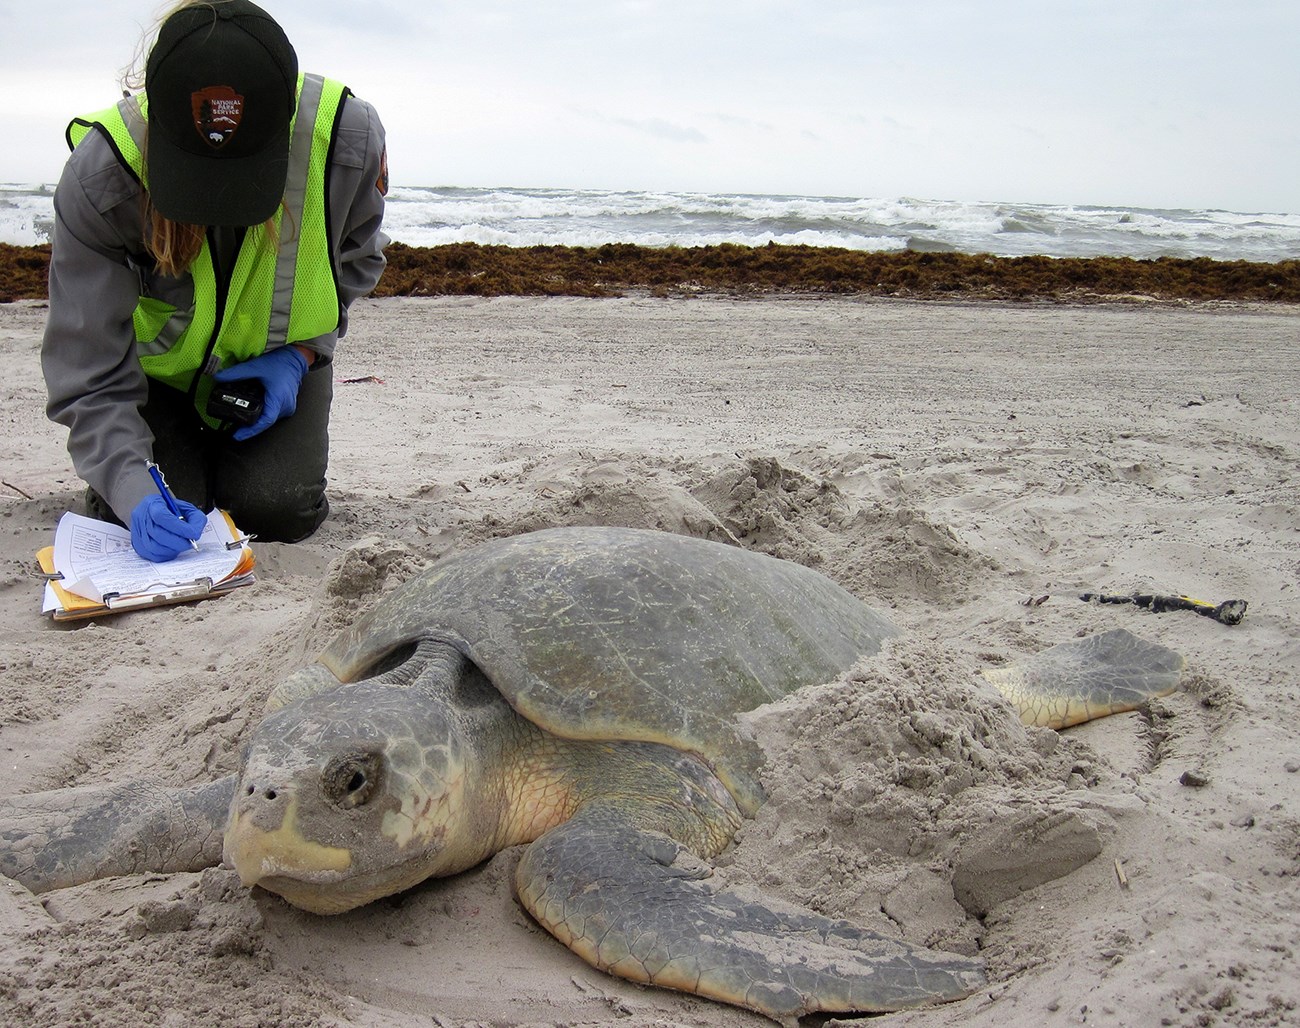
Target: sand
945,462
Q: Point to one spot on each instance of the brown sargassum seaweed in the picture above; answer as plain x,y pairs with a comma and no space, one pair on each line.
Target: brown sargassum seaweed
619,269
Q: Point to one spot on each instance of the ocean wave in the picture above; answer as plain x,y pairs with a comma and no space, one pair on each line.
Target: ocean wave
434,216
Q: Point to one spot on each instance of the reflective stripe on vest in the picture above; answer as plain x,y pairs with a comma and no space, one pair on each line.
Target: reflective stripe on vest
275,295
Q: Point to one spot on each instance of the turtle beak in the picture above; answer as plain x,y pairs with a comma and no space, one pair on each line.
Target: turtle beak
258,853
313,877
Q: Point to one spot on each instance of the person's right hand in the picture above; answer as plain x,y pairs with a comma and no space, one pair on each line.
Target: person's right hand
159,535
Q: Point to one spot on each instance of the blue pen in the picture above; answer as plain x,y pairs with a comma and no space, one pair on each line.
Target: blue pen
167,496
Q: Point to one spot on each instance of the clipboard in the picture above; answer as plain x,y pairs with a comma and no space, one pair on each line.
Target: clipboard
60,604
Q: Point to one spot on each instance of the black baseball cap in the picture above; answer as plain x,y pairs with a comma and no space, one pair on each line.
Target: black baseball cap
222,82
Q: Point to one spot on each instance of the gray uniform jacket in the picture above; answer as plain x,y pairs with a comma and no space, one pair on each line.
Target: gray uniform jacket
98,271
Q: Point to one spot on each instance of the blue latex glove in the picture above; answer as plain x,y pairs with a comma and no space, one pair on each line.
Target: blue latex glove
159,535
280,371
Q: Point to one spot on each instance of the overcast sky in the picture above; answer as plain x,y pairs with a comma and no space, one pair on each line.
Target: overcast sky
1157,103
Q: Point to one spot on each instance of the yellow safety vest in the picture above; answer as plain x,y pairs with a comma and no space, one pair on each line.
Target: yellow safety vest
276,294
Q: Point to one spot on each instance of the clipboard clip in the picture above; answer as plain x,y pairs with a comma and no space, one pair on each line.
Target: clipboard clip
195,590
242,541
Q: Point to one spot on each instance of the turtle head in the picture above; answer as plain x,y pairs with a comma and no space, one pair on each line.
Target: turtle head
350,794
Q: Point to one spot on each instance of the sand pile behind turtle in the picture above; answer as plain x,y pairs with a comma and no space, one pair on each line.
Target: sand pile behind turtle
896,792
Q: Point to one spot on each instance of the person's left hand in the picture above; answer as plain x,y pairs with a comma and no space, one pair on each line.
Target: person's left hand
280,371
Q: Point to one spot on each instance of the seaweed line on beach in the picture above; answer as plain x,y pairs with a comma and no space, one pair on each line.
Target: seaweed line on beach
618,269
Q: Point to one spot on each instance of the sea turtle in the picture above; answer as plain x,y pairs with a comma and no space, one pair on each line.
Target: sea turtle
575,690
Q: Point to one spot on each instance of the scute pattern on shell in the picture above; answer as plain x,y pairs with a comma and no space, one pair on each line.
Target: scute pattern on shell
610,633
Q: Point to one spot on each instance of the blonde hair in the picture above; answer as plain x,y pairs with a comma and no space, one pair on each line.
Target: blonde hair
174,245
132,76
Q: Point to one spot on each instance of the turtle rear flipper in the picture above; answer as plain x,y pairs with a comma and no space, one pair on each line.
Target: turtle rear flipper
51,840
1088,678
611,893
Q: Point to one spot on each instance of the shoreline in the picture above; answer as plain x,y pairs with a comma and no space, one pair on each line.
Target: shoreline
623,269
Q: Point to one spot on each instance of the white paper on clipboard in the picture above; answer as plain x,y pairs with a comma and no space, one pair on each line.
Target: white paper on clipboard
96,560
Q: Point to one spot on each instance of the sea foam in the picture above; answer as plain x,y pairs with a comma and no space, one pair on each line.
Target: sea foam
563,217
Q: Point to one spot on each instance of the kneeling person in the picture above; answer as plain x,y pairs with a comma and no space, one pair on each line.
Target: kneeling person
209,236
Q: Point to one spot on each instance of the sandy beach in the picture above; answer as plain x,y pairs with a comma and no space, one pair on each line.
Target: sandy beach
945,462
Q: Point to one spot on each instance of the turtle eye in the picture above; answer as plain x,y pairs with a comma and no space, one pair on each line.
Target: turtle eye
351,780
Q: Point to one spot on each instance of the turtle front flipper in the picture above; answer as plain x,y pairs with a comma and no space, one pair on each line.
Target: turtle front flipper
51,840
1088,678
612,893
